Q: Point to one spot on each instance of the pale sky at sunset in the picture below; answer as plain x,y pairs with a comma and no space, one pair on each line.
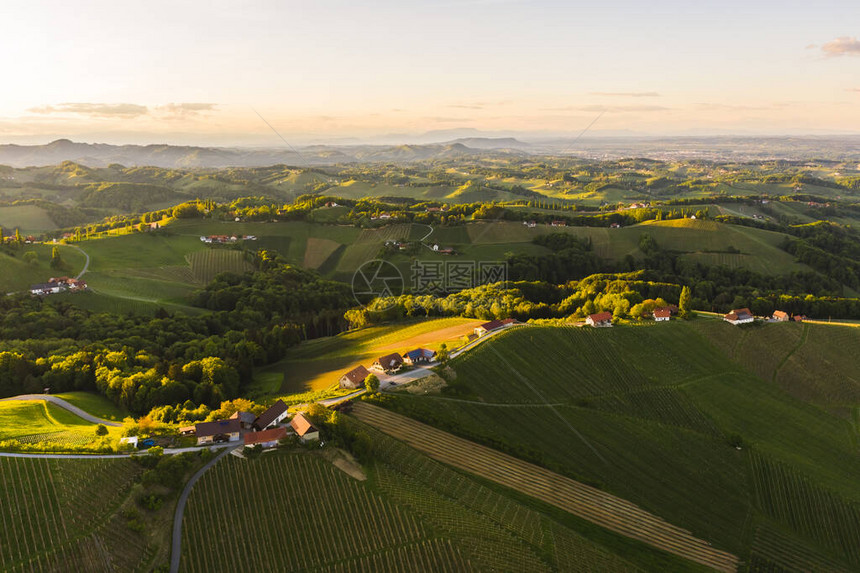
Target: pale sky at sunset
194,72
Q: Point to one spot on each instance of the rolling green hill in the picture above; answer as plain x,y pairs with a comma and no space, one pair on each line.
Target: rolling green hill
653,415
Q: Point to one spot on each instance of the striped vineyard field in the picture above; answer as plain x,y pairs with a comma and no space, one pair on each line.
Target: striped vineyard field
206,264
295,512
596,362
665,405
59,515
64,438
808,509
494,531
591,504
775,551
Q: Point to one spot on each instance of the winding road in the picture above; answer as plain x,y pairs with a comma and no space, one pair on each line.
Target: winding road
65,405
86,263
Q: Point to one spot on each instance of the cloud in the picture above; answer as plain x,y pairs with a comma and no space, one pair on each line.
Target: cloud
626,94
184,109
843,46
93,109
467,106
610,108
710,106
441,119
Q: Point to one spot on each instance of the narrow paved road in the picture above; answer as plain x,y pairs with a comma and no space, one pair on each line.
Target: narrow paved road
86,263
61,456
66,406
176,547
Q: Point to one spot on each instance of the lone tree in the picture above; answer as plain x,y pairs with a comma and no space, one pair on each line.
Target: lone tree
442,355
56,261
684,303
101,430
372,384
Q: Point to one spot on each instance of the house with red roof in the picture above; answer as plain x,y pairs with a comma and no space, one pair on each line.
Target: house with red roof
599,319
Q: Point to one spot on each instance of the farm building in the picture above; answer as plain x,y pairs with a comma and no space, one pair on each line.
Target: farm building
217,431
488,327
600,319
739,316
186,431
419,356
798,317
246,419
780,316
662,314
388,363
559,224
272,416
354,378
45,288
266,438
304,429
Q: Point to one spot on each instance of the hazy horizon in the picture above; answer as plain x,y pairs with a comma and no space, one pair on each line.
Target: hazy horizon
200,73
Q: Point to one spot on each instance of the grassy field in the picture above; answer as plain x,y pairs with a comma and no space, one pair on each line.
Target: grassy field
318,364
95,404
62,515
27,218
41,423
665,403
18,273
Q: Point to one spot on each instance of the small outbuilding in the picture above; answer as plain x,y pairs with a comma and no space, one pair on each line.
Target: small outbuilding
271,417
419,356
739,316
354,378
388,363
780,316
304,429
218,431
599,320
662,314
488,327
266,438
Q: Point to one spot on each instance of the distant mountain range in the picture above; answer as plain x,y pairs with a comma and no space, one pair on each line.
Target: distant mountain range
180,156
717,148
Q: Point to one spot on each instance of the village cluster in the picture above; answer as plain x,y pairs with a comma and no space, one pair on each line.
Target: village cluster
266,430
226,239
745,316
57,285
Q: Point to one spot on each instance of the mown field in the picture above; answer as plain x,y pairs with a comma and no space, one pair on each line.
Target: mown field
63,515
412,514
647,412
40,423
318,364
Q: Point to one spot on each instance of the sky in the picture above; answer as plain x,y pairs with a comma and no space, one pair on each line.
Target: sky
207,73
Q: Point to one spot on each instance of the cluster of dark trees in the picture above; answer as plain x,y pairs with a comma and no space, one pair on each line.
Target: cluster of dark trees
143,362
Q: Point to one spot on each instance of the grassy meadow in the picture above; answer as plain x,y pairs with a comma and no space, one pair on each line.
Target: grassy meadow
40,423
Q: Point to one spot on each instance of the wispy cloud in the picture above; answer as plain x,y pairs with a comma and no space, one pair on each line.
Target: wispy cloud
467,105
625,94
609,108
184,109
93,109
442,119
843,46
712,106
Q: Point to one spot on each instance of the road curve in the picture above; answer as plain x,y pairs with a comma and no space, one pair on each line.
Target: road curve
176,546
86,263
66,406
